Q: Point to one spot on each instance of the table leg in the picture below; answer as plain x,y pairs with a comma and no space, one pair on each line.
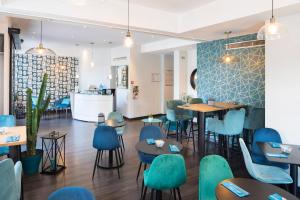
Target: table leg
201,133
294,175
158,194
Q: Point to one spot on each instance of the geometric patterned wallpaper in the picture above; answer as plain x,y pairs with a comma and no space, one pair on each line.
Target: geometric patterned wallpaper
242,82
29,70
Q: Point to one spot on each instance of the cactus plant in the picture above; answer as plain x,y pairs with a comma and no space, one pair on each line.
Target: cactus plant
33,116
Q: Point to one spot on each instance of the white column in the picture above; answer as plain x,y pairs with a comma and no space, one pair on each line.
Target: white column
180,73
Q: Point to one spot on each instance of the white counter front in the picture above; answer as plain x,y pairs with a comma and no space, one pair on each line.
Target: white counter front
86,107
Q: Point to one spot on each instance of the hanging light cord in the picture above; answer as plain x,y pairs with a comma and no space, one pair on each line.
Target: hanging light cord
128,16
41,38
272,8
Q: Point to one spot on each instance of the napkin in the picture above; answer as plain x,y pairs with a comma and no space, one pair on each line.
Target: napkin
277,155
150,141
235,189
274,144
276,197
174,148
14,138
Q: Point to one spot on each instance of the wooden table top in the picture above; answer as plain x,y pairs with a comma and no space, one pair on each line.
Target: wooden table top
13,131
143,147
114,123
258,190
205,108
293,157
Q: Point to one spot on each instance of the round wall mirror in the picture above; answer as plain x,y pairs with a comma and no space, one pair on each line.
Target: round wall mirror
193,79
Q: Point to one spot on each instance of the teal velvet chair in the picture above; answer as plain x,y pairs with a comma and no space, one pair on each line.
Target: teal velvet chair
264,173
254,119
179,117
167,172
232,125
10,181
213,170
72,193
120,131
6,121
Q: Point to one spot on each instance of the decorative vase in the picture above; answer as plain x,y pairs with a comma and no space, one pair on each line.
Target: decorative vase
31,164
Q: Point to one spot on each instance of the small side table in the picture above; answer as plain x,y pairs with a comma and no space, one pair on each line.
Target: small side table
54,156
152,121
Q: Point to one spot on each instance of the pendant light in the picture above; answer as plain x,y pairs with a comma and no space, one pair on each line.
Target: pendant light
272,30
228,58
128,42
40,49
92,55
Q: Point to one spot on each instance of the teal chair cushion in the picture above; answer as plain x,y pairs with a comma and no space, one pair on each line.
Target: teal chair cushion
213,170
9,190
119,118
6,121
264,173
166,172
4,151
232,124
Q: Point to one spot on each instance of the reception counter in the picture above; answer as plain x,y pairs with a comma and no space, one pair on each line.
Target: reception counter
86,107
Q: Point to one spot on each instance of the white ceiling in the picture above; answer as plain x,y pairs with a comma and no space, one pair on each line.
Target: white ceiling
78,34
175,6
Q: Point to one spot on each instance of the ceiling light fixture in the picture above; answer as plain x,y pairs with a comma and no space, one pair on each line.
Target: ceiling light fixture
128,42
40,50
272,30
228,58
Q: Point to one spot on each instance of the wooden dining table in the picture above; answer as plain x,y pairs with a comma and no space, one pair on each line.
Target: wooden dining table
14,131
202,110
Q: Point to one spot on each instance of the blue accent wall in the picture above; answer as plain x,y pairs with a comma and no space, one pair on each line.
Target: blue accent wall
242,82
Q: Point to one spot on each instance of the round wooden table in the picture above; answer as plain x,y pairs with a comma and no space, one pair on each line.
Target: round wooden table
257,190
143,147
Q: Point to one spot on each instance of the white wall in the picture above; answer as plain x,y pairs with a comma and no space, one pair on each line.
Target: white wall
1,85
283,82
180,74
4,75
88,75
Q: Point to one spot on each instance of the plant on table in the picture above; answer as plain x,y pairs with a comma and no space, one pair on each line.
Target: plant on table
33,116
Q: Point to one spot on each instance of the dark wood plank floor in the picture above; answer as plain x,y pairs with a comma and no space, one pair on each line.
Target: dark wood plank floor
80,157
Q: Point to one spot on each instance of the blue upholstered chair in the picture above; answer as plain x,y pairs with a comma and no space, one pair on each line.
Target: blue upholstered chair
177,116
148,132
10,181
120,131
6,121
232,125
213,170
64,104
265,135
167,172
264,173
254,119
106,139
72,193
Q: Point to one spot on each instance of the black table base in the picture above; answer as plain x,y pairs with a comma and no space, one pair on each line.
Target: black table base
294,175
110,162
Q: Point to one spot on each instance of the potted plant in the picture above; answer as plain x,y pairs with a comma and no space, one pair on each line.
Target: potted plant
32,157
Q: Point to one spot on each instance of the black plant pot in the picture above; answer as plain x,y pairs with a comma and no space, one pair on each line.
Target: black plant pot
31,163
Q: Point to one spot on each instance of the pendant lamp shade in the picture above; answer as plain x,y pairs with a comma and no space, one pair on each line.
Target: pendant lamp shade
228,58
128,41
40,49
272,30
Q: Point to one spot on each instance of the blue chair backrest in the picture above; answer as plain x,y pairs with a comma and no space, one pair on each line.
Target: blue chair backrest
7,121
8,186
72,193
66,101
247,158
105,138
264,135
115,116
234,121
148,132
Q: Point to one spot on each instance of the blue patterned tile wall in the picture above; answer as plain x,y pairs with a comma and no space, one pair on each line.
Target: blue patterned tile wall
242,82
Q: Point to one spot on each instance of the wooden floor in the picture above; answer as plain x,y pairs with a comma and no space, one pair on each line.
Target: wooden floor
80,157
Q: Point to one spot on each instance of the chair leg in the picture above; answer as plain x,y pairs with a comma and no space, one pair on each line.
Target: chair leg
122,142
142,189
151,196
120,159
178,192
168,130
118,164
194,146
140,166
144,193
177,131
95,164
227,148
174,194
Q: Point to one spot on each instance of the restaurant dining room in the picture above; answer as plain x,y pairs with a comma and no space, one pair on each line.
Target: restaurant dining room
139,99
